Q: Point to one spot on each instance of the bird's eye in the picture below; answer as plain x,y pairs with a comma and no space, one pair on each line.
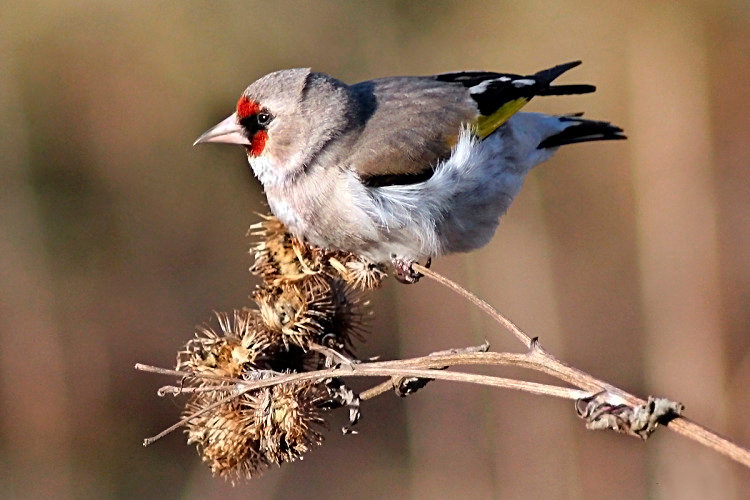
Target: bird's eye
264,118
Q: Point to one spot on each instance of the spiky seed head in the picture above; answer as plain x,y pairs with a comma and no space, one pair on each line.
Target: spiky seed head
226,437
298,312
349,317
240,339
357,271
271,425
279,257
287,416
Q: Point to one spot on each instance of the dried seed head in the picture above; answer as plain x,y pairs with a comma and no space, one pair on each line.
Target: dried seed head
298,314
226,437
357,271
279,257
238,344
348,320
271,425
287,416
314,311
309,298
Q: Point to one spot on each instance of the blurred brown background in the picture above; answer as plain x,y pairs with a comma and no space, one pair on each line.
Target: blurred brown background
630,260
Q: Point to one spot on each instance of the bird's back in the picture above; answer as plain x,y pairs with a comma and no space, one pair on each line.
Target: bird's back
410,124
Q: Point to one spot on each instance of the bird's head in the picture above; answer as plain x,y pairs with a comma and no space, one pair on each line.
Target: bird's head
284,119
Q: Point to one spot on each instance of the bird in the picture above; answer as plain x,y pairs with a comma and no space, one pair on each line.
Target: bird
399,169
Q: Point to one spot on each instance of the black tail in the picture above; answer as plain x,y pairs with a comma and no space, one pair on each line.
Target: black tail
547,76
582,130
492,90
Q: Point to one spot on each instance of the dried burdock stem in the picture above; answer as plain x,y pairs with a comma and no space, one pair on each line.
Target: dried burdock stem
417,367
481,304
172,390
426,367
547,363
370,369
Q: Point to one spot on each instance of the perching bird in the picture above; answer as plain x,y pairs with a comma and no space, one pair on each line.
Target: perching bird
399,169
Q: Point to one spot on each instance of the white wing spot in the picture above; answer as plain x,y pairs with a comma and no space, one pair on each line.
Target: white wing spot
480,88
523,82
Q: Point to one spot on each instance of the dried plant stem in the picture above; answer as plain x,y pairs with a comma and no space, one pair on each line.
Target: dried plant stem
541,360
484,306
428,367
379,389
171,390
416,368
185,420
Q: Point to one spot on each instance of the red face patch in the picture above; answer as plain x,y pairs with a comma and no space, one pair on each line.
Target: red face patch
257,143
247,107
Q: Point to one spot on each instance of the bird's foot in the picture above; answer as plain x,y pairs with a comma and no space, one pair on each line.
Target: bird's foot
404,272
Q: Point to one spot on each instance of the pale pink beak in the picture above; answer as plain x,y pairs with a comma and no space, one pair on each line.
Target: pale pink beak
228,131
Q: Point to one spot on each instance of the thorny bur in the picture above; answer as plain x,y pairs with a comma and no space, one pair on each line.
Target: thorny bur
309,306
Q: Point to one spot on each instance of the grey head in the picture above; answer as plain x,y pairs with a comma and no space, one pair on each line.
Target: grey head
284,120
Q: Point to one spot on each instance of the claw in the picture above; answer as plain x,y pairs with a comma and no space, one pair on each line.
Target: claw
403,271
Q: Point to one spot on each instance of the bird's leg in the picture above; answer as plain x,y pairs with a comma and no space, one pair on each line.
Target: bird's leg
403,271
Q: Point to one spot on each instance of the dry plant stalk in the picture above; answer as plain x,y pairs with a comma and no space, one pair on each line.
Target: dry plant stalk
260,384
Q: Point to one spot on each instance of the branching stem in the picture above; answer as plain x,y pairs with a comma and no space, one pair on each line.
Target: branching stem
552,366
432,367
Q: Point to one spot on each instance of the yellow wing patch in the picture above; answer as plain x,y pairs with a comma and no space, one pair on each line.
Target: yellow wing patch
485,125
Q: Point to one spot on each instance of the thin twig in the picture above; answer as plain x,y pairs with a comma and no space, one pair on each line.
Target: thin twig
558,369
391,384
377,390
720,444
484,306
187,419
381,369
374,369
172,390
178,373
331,354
